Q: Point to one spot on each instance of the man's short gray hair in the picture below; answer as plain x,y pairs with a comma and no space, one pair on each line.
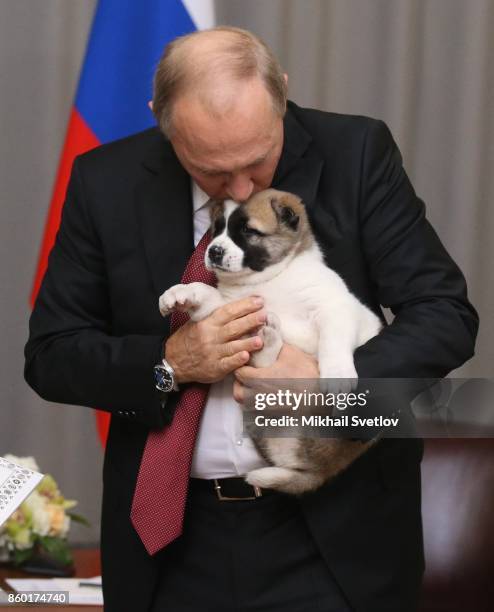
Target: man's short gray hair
236,54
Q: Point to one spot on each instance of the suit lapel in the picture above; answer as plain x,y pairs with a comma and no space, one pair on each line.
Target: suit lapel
164,211
299,171
300,166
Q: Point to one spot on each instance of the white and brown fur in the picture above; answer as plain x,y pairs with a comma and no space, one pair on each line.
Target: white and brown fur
266,247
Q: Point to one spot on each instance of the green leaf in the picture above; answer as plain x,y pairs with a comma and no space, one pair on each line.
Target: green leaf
78,518
19,556
57,548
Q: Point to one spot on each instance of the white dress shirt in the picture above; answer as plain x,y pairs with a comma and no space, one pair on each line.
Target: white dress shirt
221,451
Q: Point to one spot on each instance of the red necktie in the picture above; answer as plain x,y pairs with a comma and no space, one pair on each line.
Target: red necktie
161,490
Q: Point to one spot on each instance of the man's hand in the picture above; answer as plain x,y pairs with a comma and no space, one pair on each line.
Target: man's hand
291,363
210,349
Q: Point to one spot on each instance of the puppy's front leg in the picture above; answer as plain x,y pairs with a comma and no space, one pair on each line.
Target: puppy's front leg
272,343
198,300
337,342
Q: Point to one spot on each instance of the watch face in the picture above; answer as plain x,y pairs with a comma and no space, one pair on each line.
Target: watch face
163,378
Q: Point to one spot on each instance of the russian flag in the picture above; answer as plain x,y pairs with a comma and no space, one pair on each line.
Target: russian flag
126,41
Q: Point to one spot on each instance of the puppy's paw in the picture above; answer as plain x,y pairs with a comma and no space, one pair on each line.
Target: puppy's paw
273,322
270,477
272,343
185,298
175,298
285,480
339,377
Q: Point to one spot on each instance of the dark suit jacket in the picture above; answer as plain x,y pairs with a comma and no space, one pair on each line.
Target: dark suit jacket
96,333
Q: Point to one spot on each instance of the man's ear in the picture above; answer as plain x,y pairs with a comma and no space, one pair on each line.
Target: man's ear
285,76
285,213
150,104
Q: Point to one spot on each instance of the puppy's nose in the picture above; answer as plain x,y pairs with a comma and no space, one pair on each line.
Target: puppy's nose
216,253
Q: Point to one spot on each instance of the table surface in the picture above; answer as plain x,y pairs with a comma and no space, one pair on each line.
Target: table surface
87,564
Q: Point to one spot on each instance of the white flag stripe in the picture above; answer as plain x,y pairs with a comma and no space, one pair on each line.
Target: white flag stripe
201,12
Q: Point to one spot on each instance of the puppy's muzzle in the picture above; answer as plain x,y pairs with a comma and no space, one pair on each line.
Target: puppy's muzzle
215,254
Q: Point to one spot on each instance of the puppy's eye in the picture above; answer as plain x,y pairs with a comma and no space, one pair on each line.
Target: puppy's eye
250,231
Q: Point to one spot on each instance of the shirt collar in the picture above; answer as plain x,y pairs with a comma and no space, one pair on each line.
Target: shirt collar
199,197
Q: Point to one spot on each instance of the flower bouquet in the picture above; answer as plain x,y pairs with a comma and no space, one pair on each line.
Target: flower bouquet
34,537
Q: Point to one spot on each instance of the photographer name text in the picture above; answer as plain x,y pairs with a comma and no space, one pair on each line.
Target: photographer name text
261,420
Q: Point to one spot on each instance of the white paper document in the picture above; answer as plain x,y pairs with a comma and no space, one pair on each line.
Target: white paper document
16,482
81,591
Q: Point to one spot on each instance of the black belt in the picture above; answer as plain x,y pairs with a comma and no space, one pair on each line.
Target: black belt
229,489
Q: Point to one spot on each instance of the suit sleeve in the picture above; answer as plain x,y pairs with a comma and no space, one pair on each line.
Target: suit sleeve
71,355
435,326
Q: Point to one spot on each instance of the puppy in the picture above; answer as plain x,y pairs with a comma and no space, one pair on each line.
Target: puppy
266,247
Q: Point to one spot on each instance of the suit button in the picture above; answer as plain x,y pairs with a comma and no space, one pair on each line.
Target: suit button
120,412
132,413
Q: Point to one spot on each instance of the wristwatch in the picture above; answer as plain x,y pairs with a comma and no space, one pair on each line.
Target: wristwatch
164,377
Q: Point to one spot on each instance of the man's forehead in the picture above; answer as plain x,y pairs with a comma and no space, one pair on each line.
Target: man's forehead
229,154
230,164
214,138
248,119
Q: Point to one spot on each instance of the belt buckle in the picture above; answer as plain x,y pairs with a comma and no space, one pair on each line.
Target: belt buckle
221,497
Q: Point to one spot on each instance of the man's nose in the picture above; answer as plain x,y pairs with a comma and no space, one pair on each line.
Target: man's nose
240,187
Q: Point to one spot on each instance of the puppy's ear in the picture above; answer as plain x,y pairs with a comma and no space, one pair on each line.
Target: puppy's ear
215,210
216,216
285,213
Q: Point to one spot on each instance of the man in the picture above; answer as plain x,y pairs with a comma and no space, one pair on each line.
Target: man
134,211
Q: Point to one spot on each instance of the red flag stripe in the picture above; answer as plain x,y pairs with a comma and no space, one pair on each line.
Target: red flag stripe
103,425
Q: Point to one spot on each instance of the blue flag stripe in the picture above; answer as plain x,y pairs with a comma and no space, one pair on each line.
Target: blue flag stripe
125,44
